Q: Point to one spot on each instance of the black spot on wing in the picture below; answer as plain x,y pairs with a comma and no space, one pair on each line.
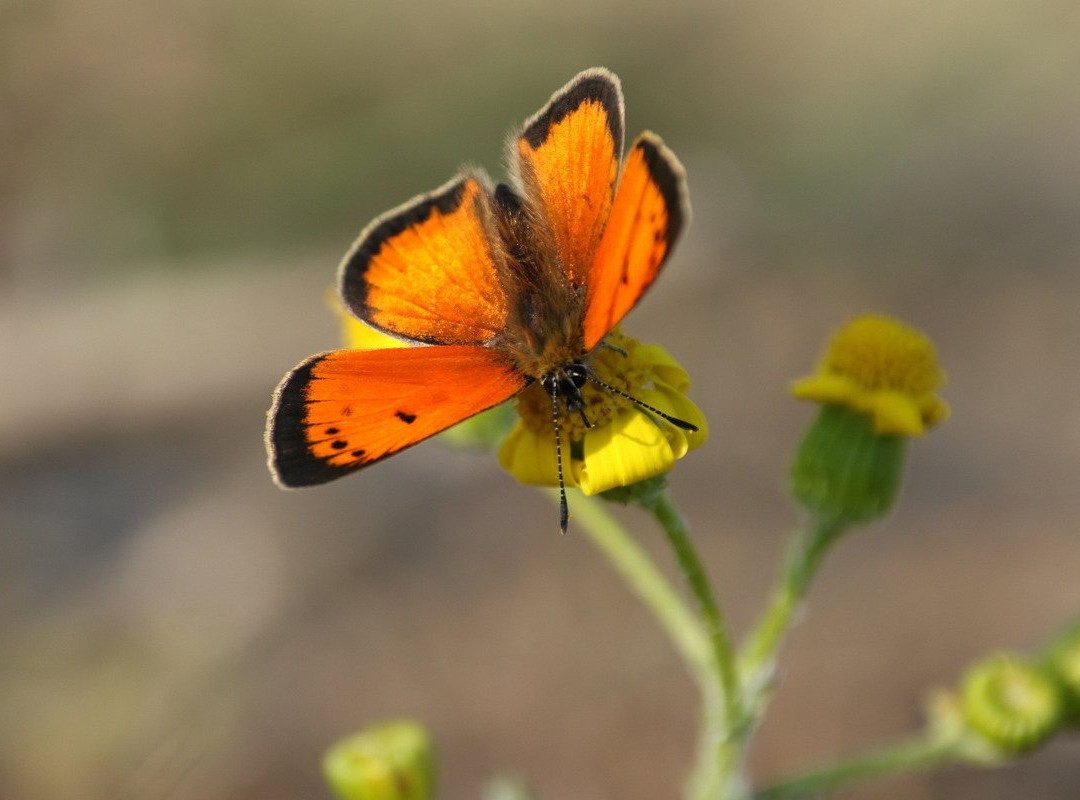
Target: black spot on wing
290,458
594,85
405,417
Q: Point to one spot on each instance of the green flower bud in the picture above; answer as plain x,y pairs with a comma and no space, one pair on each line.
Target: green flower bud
1063,661
389,761
1012,704
844,470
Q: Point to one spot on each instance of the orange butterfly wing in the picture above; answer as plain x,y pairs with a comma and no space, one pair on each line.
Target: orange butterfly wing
425,271
339,411
650,210
567,162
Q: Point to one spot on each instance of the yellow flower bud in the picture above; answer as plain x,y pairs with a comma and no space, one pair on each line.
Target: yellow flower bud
390,761
1012,704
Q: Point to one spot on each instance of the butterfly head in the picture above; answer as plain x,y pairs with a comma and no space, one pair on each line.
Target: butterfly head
566,383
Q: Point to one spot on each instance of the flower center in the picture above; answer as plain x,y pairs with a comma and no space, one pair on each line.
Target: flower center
880,353
611,365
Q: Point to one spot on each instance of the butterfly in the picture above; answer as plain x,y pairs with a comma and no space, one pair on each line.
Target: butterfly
506,284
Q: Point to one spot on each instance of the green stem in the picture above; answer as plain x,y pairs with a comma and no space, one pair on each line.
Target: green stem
723,650
718,772
647,582
715,754
918,754
804,556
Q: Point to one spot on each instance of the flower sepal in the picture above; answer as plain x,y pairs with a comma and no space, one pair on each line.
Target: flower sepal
844,471
640,493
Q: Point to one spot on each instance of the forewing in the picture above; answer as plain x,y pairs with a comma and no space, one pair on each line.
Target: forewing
650,210
567,163
426,270
345,409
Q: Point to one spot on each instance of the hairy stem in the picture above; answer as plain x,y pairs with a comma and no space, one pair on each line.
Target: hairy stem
718,772
758,660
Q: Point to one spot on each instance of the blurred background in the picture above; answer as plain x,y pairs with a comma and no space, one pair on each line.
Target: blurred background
178,181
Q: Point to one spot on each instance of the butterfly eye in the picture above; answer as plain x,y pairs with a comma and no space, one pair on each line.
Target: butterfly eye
578,373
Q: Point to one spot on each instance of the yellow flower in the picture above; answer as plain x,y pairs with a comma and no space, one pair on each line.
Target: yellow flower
625,444
878,366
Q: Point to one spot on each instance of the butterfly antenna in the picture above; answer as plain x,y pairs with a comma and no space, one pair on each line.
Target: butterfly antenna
564,510
678,423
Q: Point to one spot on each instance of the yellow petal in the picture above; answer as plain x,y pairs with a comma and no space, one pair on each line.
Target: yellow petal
678,405
825,388
531,458
934,410
662,365
894,414
629,449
